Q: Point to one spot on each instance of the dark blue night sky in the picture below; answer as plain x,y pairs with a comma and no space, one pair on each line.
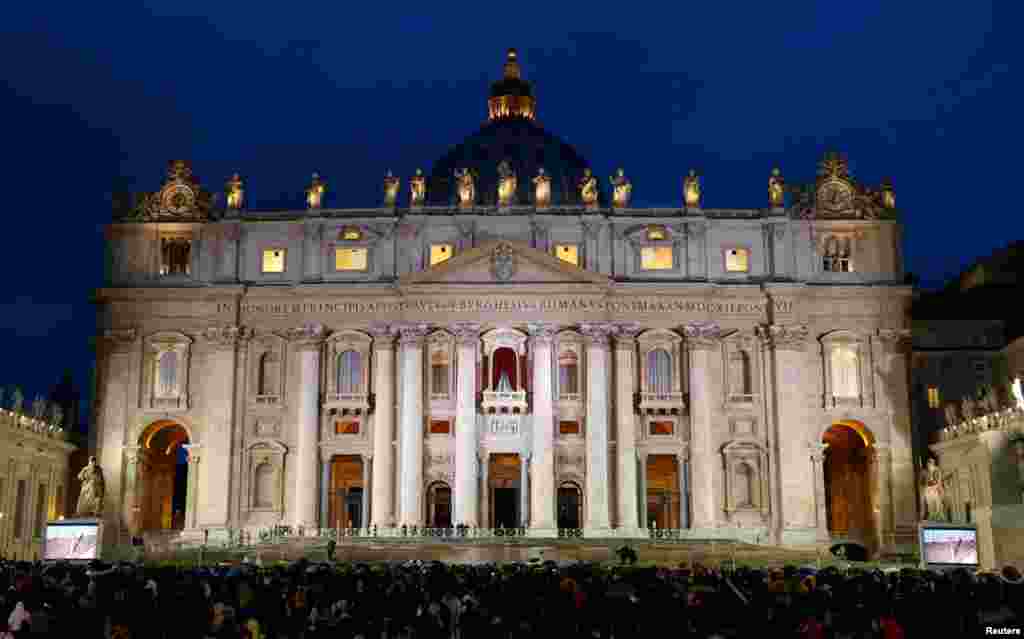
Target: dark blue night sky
928,93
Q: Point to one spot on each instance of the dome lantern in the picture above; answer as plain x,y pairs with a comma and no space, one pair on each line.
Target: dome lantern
511,97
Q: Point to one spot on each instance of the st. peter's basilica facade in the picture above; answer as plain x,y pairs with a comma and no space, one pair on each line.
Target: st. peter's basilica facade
506,341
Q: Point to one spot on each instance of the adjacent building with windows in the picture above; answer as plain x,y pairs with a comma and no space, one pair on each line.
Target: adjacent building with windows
33,481
507,341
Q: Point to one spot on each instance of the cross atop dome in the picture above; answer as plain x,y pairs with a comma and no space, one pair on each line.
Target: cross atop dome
511,97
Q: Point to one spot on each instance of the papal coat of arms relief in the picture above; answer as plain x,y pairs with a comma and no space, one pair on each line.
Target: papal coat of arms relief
503,262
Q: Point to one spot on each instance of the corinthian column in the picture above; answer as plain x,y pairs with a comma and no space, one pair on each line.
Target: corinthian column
625,423
703,343
411,435
466,495
219,386
307,342
382,505
597,520
894,387
817,452
542,486
788,366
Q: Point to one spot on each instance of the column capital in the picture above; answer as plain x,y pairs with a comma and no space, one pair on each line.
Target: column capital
683,455
412,334
308,336
541,332
793,337
466,333
625,333
817,452
597,333
881,451
703,335
383,334
132,454
368,456
895,340
226,337
194,453
641,455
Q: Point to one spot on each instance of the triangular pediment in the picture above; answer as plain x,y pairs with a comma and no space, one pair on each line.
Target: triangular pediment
498,262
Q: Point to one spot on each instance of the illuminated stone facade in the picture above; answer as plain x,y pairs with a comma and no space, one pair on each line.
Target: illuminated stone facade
553,361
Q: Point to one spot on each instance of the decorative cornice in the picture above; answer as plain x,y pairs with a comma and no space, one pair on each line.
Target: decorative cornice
597,333
226,337
703,335
413,333
132,454
785,338
307,336
383,335
466,333
541,333
120,340
625,334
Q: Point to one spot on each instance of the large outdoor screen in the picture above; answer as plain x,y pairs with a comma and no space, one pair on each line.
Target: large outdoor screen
957,546
73,540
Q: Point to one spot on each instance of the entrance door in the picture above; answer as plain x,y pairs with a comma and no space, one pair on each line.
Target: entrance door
568,506
354,506
505,508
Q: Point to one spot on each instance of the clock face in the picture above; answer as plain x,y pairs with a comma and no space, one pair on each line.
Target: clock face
834,197
179,199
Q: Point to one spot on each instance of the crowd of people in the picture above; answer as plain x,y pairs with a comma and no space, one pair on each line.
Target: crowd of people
418,600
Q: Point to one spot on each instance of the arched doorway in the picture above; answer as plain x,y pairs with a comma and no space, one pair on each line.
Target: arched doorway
848,469
570,505
162,478
439,505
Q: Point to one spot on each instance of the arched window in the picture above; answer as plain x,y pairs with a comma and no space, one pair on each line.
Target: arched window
845,378
568,377
350,373
263,489
167,369
270,374
739,374
659,371
745,487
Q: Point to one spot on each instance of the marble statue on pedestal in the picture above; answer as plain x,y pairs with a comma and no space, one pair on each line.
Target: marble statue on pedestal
621,189
691,190
417,189
541,189
931,491
90,499
588,188
776,190
391,185
506,184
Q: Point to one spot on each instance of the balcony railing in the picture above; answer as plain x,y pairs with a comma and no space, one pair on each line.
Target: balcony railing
661,401
268,400
569,397
504,400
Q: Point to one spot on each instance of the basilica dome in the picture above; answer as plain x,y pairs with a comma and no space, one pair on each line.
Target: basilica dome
510,135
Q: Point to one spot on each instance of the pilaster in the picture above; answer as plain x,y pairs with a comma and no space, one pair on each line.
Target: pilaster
895,387
629,507
466,496
704,346
307,342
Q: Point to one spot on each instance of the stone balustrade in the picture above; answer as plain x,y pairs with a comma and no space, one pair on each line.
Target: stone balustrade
10,419
1005,419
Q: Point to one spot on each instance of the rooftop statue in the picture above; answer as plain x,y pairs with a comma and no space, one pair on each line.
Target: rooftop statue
506,184
588,188
315,192
691,190
621,189
39,408
776,190
968,407
1017,393
17,401
466,189
234,191
417,189
952,419
391,185
90,499
541,189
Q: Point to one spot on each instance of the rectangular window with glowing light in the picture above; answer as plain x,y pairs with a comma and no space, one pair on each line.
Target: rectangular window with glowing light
933,397
656,258
440,253
662,428
273,260
568,428
350,259
737,260
346,428
568,253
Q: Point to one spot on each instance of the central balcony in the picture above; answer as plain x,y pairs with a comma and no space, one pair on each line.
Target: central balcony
348,403
661,402
504,401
